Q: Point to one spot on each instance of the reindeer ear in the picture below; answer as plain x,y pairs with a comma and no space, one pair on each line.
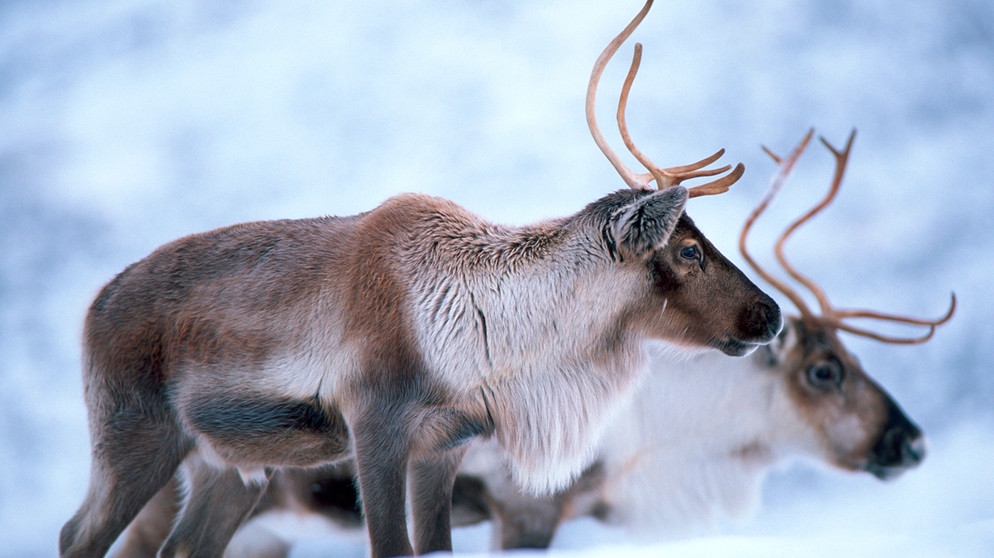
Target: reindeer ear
649,221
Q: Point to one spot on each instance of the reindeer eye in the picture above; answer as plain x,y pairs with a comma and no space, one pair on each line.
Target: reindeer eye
689,253
826,374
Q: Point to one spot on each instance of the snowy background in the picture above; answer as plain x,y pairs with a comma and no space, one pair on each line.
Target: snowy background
127,123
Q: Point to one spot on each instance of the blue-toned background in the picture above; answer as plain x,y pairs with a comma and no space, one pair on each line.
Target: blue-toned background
125,124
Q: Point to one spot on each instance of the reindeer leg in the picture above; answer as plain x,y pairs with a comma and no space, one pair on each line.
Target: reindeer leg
136,451
145,535
525,521
431,500
218,502
381,456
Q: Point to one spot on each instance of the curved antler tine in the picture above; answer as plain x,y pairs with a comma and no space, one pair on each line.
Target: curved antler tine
899,319
883,338
783,171
841,160
776,158
700,164
699,173
634,181
663,177
676,175
844,154
673,175
718,186
626,87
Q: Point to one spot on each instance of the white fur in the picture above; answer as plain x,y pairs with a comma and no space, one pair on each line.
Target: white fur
695,445
514,334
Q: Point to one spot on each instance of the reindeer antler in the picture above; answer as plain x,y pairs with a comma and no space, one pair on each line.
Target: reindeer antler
783,171
663,177
830,316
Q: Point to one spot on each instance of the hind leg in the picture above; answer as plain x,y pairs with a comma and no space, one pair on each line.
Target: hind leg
134,455
218,501
146,533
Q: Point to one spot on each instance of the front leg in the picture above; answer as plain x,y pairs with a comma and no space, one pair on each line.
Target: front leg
431,499
381,456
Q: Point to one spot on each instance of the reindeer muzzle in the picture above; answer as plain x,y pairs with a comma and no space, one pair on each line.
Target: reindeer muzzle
899,448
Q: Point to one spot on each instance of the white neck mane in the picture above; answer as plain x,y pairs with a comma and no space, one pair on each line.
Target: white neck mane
555,418
539,341
693,448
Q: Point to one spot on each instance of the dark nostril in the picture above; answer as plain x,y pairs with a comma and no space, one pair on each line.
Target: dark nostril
900,447
913,450
902,443
762,321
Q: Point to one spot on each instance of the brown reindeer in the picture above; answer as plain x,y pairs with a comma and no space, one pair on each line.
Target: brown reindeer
698,439
392,337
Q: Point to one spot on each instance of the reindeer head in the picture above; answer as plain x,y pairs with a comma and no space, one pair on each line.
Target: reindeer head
860,427
707,300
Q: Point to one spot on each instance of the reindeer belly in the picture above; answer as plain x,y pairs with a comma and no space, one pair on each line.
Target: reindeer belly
254,430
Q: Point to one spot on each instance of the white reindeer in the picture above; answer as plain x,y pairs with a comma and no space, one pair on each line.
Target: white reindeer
699,438
392,338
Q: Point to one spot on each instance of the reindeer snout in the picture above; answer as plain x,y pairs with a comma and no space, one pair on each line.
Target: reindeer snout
761,322
900,447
